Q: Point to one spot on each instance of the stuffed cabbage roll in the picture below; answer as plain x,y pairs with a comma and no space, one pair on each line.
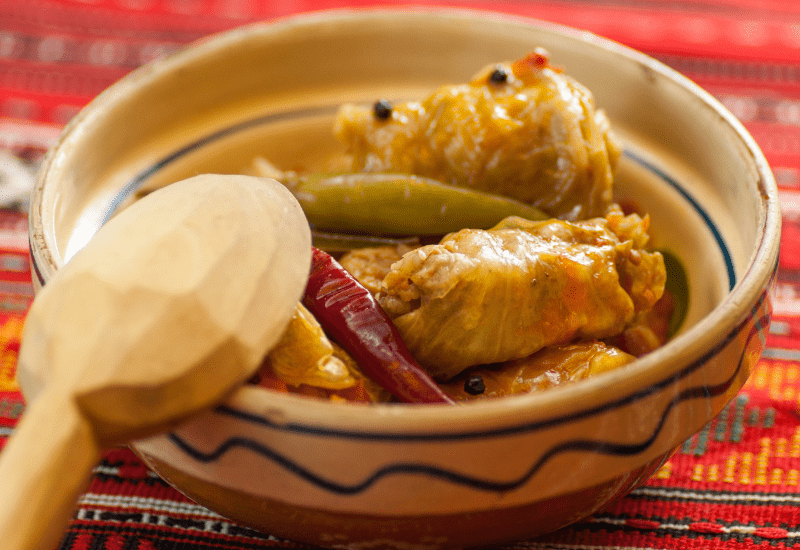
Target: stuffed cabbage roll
550,367
481,297
523,129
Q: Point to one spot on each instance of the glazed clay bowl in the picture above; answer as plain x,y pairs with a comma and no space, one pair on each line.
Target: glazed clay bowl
403,476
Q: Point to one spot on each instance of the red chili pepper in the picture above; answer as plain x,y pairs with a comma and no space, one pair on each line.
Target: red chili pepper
349,313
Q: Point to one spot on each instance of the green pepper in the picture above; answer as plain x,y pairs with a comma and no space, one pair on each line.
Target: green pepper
399,204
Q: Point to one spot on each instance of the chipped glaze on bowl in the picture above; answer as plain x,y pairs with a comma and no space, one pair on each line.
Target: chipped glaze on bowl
403,476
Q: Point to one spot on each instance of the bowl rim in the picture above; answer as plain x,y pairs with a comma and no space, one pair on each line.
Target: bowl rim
634,379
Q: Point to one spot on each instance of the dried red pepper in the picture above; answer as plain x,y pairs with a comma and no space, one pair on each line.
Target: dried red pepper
350,315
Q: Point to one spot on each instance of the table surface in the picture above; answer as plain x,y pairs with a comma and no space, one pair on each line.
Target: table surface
734,485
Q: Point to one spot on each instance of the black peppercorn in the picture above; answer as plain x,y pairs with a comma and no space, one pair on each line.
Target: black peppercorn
383,109
498,76
474,385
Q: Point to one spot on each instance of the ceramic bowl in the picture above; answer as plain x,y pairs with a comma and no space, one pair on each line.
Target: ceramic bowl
432,476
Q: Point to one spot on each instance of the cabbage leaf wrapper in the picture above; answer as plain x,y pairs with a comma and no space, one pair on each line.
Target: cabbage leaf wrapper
532,134
481,297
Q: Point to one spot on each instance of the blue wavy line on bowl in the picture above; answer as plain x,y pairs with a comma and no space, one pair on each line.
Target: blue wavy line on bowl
456,478
697,207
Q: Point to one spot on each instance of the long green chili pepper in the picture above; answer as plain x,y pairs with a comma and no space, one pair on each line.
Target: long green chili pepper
398,204
349,313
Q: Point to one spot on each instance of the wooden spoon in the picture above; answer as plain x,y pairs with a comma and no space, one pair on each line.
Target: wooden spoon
169,308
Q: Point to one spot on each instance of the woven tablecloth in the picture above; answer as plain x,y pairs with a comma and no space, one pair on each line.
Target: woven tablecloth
734,485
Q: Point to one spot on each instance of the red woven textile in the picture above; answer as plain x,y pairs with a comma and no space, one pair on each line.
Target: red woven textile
733,485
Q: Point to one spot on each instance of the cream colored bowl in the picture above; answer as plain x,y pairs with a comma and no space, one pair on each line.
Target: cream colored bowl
432,476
